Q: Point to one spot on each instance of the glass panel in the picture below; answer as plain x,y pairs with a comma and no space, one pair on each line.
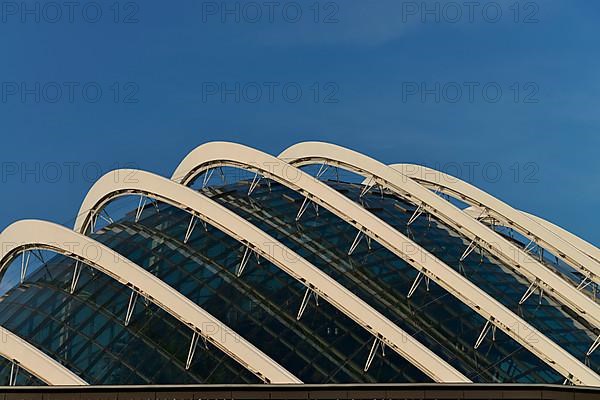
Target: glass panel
383,280
86,331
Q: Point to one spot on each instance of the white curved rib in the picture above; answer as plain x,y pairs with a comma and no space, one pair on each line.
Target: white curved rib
34,234
544,233
479,213
513,256
117,183
217,154
34,361
581,244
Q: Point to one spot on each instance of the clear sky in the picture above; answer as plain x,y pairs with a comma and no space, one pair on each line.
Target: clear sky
503,93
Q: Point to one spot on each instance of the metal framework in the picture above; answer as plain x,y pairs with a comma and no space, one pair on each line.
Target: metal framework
219,154
427,201
543,234
37,363
581,244
116,184
34,234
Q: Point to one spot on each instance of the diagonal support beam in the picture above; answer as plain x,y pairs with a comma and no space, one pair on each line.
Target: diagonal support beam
93,220
76,274
255,181
207,177
530,290
242,265
415,215
25,256
190,228
131,307
303,208
355,243
593,347
14,372
530,246
192,350
468,250
417,282
309,292
489,325
324,167
140,208
585,282
377,343
105,216
370,183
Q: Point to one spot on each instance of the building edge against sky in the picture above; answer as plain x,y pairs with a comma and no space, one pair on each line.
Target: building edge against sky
319,266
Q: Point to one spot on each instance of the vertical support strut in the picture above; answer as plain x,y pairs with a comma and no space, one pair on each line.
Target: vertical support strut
190,228
242,264
14,372
309,292
415,215
140,207
192,350
377,342
76,273
303,208
417,282
24,264
131,307
486,328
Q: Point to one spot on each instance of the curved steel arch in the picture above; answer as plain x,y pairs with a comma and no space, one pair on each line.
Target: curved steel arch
126,182
515,257
35,361
542,233
34,234
216,154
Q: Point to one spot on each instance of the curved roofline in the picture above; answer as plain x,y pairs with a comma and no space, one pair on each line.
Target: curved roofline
217,154
513,256
35,361
561,245
34,234
580,243
126,182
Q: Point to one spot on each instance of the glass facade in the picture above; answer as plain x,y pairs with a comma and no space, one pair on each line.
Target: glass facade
86,330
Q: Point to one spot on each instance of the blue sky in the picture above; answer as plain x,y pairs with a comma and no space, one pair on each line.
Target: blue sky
514,93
